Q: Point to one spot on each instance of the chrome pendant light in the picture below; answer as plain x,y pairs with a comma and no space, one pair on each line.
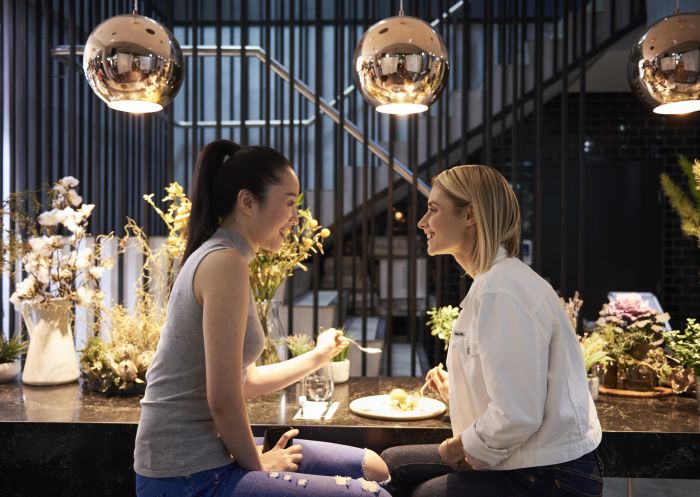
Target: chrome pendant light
401,65
664,65
133,63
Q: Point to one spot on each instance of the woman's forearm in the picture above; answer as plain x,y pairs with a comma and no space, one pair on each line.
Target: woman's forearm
231,420
265,379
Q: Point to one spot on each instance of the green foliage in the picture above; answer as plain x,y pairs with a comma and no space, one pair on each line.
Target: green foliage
685,203
299,344
593,348
686,345
441,322
12,349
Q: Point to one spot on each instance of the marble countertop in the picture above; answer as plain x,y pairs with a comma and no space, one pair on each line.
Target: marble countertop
71,404
66,441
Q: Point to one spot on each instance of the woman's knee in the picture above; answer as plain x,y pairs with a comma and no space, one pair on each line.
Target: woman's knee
374,467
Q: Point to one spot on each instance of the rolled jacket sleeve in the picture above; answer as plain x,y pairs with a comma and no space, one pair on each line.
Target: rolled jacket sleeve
513,353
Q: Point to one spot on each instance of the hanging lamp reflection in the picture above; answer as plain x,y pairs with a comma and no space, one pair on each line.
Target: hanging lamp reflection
664,65
401,65
133,63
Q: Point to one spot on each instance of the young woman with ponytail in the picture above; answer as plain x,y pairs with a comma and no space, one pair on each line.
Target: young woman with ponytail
194,437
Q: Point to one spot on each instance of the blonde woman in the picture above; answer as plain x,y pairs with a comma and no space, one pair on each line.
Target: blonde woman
523,420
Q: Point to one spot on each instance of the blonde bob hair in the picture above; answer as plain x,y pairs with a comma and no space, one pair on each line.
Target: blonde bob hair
495,208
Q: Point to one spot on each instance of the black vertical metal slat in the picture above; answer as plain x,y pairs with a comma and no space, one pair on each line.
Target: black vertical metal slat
170,113
581,156
367,206
501,24
593,25
488,84
279,101
231,79
268,72
23,125
564,127
411,234
352,161
201,76
195,88
39,76
539,128
245,86
515,15
217,81
71,90
441,156
292,57
611,6
318,149
60,97
390,245
340,169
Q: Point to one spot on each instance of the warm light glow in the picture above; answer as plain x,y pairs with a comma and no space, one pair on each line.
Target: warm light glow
682,107
401,109
135,106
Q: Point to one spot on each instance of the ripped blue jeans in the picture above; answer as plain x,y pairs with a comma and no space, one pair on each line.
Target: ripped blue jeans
317,477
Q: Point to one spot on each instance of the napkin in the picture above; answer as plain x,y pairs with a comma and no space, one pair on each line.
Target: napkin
317,410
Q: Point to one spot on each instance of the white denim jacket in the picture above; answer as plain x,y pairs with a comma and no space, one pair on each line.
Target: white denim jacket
518,390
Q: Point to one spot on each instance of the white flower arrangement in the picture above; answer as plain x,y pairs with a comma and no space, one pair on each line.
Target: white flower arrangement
60,266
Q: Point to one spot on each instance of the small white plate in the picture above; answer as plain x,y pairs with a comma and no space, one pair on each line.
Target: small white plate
379,407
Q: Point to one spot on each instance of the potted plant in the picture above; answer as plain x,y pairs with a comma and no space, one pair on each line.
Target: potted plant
685,346
299,344
118,366
631,328
340,366
593,349
61,270
10,353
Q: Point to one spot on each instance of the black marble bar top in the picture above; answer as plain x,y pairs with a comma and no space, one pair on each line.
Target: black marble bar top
76,436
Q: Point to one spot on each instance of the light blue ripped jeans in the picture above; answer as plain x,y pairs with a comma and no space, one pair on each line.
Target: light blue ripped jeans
317,477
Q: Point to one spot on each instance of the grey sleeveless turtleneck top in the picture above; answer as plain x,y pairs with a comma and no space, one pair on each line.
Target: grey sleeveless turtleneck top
176,434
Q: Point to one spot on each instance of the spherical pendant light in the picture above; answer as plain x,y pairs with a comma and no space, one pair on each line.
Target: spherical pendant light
664,65
133,63
401,65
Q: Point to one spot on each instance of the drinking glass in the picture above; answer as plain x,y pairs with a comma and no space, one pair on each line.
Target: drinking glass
319,384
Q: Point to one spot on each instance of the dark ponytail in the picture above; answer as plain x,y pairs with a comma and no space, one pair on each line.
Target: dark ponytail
222,170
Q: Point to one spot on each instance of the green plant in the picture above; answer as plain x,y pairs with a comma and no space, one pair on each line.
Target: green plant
299,344
12,349
593,348
686,345
685,203
343,354
441,322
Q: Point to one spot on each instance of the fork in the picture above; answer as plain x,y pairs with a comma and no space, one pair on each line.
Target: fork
367,350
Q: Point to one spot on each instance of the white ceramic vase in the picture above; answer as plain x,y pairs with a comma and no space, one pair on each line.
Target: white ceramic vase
340,371
51,358
9,371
